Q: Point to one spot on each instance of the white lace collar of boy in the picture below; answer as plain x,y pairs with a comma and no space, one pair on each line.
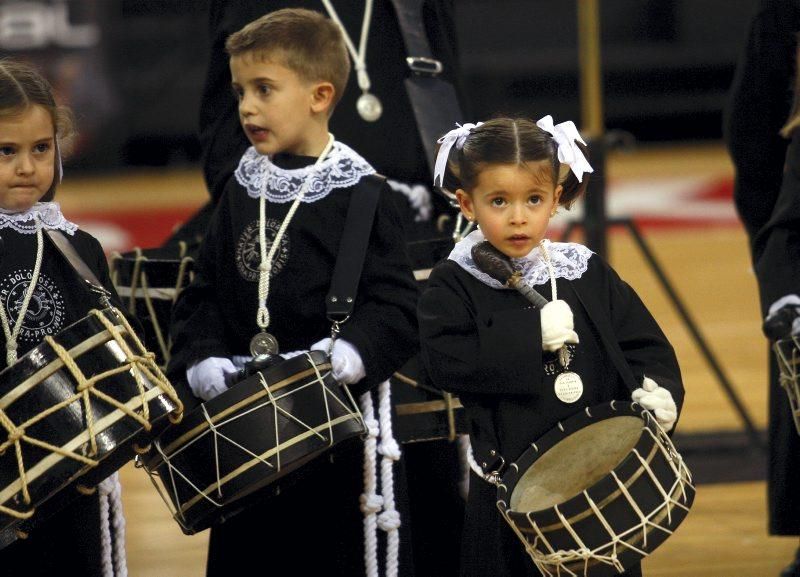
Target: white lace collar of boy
47,213
342,168
570,260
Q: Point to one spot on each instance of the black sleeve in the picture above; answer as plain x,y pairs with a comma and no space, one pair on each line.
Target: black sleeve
758,106
643,343
197,330
465,354
383,326
222,141
776,250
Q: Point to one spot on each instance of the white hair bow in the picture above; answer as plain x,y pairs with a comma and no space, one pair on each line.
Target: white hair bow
456,136
565,134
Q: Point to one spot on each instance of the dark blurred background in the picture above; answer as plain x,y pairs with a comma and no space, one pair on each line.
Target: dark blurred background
133,70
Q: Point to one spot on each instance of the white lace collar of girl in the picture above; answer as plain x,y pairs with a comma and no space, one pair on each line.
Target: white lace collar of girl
570,260
47,213
342,168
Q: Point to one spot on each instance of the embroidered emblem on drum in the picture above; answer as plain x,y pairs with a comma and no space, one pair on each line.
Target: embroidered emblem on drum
248,253
45,314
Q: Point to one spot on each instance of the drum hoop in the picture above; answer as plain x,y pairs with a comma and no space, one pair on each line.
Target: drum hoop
258,394
602,504
53,366
53,459
564,428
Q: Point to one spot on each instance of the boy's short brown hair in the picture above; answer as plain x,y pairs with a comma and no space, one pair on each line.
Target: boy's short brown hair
306,41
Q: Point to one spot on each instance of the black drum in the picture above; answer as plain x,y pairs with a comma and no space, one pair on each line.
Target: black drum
228,451
787,352
423,412
597,493
75,409
149,281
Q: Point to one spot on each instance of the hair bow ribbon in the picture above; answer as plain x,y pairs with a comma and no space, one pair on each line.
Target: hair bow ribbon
565,134
456,136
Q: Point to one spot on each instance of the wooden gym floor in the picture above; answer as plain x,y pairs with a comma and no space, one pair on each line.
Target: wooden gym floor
704,254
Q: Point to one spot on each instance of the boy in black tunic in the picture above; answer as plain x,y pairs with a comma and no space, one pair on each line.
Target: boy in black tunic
499,354
266,264
41,294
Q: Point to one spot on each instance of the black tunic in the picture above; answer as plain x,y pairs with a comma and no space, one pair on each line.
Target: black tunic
768,203
485,345
71,537
314,525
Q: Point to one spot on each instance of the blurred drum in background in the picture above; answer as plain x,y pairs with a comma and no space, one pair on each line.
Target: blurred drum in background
227,453
596,493
149,282
787,353
73,410
423,412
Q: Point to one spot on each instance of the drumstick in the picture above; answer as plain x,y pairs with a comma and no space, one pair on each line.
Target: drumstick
498,266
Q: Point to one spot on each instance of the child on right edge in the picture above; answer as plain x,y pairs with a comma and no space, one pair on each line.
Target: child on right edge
499,354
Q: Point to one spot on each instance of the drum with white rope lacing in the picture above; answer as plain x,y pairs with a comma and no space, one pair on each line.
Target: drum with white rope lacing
227,452
787,352
73,410
597,493
149,281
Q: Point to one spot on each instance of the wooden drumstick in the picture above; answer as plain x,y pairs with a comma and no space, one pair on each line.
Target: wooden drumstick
498,266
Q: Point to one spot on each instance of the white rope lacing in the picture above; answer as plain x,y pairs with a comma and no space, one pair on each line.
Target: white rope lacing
359,55
114,561
11,336
265,267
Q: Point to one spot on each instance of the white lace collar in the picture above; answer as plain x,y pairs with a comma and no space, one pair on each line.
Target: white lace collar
570,260
342,168
47,213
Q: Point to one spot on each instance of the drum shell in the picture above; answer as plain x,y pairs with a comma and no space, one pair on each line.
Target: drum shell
148,283
606,494
422,412
184,458
39,380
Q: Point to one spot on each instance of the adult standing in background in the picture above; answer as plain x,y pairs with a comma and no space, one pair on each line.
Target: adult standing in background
766,154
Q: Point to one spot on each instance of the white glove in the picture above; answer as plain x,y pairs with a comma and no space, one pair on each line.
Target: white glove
557,325
791,300
207,377
658,400
348,368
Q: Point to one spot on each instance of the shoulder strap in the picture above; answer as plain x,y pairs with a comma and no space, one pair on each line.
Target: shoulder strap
80,267
353,247
433,99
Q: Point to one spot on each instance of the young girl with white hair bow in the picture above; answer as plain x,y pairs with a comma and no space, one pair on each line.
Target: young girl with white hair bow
518,369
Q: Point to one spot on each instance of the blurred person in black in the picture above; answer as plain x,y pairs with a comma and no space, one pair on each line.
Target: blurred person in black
392,145
765,150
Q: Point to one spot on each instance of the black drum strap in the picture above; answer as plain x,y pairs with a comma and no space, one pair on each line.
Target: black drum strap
353,247
433,99
613,350
68,251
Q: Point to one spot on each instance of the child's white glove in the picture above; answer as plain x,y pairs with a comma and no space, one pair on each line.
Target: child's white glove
348,368
207,377
557,325
658,400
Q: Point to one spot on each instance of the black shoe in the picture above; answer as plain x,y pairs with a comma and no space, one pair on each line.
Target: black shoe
793,569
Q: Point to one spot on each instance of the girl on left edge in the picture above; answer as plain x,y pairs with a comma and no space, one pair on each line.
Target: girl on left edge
40,295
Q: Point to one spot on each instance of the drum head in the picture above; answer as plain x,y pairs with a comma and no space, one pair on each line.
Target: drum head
575,463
